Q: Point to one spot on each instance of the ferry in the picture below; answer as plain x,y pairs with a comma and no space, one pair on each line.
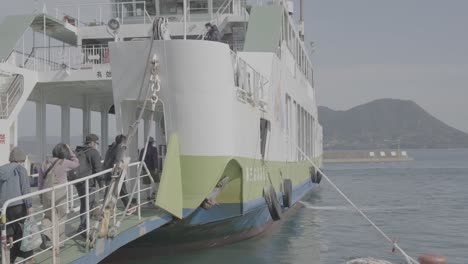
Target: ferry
234,118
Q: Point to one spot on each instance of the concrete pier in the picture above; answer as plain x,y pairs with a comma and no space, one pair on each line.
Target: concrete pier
365,156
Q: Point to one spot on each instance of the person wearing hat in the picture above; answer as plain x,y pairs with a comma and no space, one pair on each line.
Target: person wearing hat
14,182
90,163
151,161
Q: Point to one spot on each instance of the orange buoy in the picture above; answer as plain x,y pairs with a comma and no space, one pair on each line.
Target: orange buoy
432,259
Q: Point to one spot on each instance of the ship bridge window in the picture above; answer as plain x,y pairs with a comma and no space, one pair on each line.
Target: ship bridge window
264,134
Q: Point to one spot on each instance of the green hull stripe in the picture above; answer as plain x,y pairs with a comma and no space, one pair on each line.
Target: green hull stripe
170,192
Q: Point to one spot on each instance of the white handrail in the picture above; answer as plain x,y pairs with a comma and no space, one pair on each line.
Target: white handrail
69,57
56,241
75,11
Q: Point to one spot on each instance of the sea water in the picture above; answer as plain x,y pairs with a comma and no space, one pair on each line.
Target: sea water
423,204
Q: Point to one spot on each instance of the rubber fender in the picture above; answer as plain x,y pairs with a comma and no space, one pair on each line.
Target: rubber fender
319,177
271,200
287,193
313,174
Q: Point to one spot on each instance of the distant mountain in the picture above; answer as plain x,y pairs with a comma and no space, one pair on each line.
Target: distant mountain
381,123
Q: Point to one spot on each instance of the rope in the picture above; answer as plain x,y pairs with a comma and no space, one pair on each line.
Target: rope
409,259
154,87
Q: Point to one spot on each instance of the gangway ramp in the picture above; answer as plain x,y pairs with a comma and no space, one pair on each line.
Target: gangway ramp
73,246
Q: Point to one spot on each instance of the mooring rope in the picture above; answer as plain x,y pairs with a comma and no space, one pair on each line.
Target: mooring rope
408,258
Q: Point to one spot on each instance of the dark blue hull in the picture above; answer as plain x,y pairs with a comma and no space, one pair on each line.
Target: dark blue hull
210,228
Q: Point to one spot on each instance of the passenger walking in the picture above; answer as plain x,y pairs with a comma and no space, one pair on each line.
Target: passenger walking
90,163
114,155
54,172
151,161
14,182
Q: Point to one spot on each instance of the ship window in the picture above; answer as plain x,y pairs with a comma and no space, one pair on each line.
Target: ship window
264,132
170,7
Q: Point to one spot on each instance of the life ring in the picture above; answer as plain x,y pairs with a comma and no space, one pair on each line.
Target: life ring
287,193
271,200
313,174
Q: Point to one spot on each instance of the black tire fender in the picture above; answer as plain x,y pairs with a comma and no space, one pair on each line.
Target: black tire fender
319,177
313,174
287,193
271,200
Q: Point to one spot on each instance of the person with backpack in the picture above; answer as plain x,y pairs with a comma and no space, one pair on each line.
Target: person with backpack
90,163
54,172
212,32
14,182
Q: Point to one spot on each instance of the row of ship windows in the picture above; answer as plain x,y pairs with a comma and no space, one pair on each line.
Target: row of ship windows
295,45
300,127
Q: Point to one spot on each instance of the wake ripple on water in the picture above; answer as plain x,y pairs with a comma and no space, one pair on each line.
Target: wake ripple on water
363,208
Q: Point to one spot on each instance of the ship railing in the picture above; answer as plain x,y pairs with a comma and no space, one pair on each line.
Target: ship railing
68,58
97,14
228,7
252,86
73,215
10,96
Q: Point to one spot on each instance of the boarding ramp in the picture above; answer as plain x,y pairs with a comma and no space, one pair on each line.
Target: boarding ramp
75,247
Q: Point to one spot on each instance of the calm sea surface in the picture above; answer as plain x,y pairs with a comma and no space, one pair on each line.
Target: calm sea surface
422,204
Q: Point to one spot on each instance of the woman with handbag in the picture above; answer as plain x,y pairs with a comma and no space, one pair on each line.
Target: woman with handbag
54,172
14,182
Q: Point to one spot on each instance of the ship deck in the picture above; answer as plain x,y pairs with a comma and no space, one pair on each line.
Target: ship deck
74,250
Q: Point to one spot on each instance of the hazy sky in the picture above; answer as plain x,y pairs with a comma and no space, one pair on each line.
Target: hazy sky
408,49
369,49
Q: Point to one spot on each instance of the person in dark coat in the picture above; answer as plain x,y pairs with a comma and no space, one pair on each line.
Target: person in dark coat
212,32
90,166
14,182
151,161
114,155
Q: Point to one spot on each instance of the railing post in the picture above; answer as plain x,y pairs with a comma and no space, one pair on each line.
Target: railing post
69,57
139,190
121,13
78,19
55,228
3,244
68,200
87,212
72,199
23,50
144,12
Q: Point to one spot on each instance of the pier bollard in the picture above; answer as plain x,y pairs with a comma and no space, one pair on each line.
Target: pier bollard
432,259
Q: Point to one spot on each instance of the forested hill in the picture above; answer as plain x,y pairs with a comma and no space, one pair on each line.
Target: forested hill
381,123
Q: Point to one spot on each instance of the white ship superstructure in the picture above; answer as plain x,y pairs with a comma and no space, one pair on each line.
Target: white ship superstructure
237,115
